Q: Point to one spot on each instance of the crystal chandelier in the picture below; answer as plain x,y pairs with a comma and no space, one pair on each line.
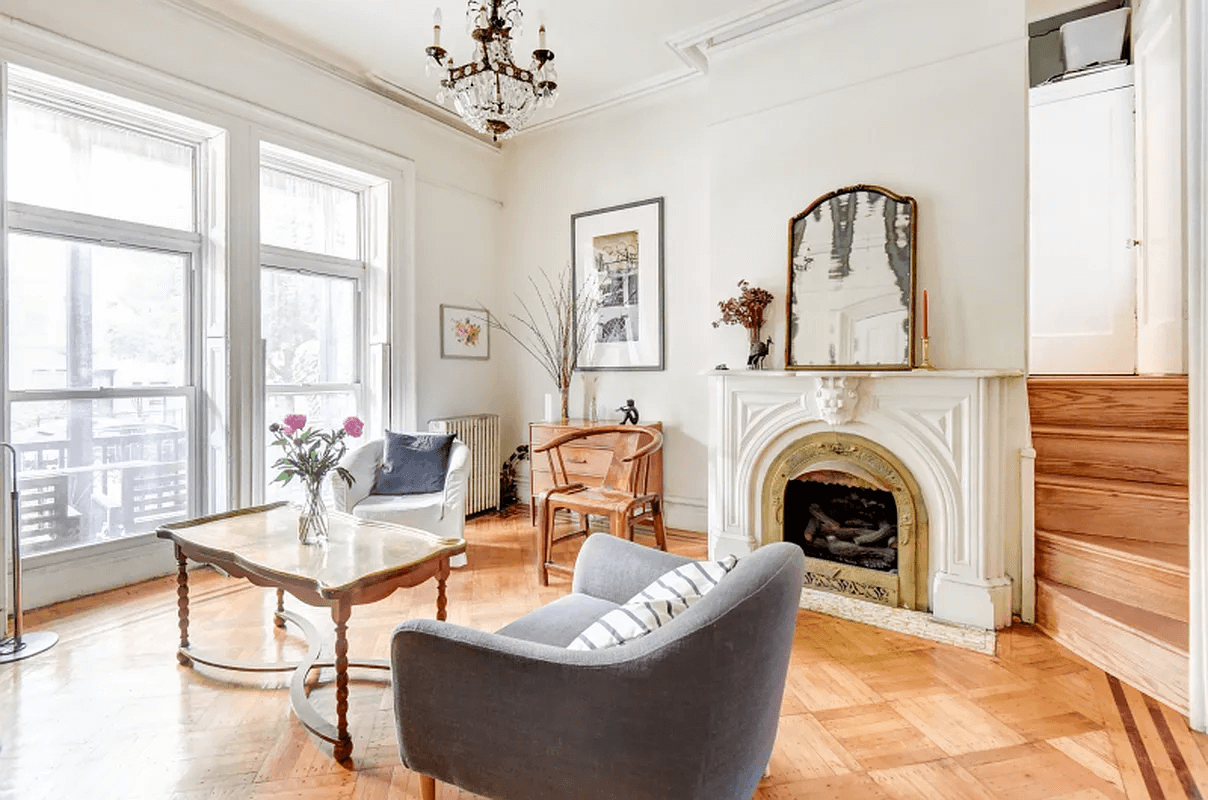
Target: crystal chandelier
491,93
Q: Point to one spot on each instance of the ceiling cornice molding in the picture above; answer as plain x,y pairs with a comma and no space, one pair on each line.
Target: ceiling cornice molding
330,65
692,46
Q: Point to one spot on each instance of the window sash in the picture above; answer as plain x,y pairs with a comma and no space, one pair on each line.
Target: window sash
20,218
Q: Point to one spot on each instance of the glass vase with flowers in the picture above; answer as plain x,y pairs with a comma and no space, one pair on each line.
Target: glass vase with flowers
309,454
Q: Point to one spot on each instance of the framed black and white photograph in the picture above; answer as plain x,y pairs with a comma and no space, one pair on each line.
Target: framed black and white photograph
852,281
617,259
464,333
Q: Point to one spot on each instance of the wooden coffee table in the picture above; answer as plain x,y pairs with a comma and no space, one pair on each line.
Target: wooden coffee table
361,562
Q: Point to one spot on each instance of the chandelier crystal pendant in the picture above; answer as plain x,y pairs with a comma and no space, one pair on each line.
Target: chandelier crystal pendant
491,93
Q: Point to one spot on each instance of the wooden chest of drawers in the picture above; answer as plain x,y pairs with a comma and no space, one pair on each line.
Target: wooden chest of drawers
586,462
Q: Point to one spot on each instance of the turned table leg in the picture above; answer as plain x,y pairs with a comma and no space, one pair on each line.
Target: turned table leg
442,602
182,604
340,612
279,620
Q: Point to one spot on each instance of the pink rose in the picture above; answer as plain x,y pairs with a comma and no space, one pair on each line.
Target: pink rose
294,423
353,427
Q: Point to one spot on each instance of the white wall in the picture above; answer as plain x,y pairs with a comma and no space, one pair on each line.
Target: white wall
927,98
654,148
934,107
1043,9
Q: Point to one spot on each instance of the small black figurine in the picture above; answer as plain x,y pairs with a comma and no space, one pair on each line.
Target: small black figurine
631,413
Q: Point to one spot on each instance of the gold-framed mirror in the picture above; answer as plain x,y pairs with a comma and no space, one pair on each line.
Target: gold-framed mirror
851,282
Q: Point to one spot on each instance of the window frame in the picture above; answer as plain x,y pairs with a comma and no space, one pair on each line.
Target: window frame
33,87
370,273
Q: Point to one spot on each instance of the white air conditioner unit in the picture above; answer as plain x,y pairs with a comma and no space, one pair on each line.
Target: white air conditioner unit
1094,40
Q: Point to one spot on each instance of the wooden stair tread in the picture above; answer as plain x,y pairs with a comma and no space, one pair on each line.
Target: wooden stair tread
1159,554
1107,486
1117,401
1162,630
1095,432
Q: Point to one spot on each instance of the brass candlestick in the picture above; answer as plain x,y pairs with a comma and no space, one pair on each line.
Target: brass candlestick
926,362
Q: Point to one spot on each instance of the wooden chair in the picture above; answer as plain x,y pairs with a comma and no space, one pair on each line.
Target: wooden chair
623,497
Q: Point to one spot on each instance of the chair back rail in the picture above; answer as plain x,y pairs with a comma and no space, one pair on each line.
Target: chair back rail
629,470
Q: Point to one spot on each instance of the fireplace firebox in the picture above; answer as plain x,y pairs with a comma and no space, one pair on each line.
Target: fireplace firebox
858,515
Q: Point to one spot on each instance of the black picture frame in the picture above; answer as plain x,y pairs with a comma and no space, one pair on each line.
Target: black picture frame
629,328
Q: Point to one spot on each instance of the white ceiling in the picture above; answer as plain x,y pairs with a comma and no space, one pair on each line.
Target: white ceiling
605,51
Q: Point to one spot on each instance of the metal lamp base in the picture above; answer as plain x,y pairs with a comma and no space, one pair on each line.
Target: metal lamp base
31,644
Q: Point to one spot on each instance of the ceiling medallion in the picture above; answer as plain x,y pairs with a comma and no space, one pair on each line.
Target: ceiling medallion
491,93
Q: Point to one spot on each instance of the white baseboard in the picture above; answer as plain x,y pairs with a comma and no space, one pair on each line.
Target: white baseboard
687,513
55,577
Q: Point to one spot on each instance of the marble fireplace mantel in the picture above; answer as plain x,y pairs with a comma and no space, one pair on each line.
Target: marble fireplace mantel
959,432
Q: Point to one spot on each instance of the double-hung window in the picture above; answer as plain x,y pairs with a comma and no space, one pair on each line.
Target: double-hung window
101,305
323,237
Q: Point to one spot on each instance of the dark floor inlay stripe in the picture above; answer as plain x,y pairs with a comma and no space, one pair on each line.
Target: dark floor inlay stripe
1172,749
1148,773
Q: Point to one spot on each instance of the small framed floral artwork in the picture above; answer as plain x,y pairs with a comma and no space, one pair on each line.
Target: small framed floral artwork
464,333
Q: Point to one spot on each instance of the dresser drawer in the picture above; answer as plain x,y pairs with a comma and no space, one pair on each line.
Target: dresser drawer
543,433
580,460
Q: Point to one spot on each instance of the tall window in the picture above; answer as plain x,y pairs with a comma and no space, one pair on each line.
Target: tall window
101,306
319,232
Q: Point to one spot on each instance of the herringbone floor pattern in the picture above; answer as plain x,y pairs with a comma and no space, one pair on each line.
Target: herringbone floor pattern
108,713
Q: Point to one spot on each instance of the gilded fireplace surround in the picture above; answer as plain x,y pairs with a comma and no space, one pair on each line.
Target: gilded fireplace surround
873,464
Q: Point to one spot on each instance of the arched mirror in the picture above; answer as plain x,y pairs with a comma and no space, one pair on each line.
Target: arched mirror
851,281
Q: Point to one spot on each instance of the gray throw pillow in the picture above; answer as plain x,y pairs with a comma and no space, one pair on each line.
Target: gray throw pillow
414,463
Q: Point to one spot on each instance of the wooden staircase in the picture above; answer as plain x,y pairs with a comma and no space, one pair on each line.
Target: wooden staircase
1111,524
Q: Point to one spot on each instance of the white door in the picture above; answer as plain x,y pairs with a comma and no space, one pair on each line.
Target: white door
1158,61
1082,280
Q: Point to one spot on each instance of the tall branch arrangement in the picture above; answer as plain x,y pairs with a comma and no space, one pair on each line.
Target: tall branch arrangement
546,324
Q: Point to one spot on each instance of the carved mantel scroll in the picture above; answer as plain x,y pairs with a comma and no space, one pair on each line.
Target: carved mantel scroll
837,398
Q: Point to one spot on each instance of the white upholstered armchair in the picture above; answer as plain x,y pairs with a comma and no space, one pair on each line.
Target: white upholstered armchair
441,513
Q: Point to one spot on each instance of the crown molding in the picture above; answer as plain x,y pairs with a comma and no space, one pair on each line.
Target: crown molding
332,65
692,47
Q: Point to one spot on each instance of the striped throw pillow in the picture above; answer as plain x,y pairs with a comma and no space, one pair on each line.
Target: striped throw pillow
655,606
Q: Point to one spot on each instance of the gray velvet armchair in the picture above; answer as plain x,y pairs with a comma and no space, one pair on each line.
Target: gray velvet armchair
688,712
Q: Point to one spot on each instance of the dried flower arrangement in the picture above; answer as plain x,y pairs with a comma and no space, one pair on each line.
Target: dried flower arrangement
747,310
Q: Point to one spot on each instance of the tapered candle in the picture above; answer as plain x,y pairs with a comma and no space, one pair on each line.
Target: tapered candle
436,20
541,38
926,332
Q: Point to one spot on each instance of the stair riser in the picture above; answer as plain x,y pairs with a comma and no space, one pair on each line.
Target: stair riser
1118,402
1135,582
1158,671
1078,510
1162,461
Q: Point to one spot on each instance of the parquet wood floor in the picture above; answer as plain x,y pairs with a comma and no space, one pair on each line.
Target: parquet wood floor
867,713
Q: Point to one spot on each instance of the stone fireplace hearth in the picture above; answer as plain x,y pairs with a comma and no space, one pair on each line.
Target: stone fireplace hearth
944,445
